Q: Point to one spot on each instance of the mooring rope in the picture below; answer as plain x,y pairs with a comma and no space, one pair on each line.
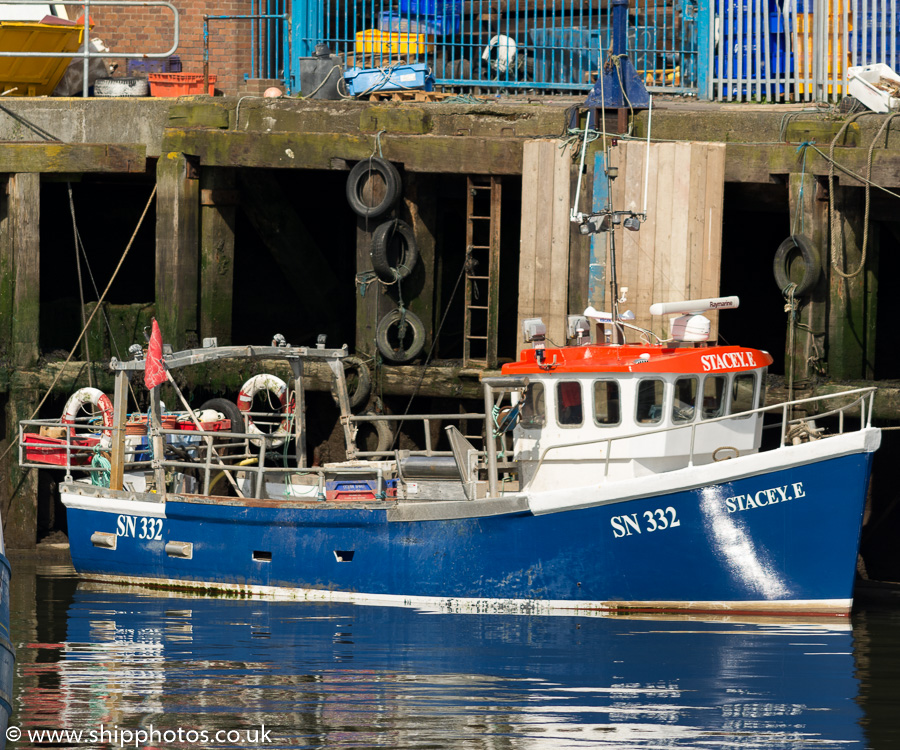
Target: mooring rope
14,441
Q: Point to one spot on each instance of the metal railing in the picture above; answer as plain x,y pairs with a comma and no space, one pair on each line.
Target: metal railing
794,50
786,408
511,45
269,40
86,54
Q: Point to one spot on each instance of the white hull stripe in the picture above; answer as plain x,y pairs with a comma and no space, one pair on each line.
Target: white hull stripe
488,605
695,477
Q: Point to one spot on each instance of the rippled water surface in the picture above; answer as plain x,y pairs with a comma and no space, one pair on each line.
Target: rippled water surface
95,658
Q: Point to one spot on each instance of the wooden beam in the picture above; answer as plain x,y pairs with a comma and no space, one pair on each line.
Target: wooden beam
419,153
72,157
22,230
419,209
217,221
746,162
369,292
809,217
18,491
851,312
177,249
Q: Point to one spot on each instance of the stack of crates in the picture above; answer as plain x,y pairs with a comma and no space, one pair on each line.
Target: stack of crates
752,43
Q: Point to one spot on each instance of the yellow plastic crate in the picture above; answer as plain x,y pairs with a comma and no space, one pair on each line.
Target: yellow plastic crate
35,76
392,43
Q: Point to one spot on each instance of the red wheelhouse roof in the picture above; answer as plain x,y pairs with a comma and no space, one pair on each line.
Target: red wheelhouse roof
640,358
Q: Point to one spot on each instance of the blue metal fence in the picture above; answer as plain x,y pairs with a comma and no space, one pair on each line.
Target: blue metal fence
530,45
772,50
794,50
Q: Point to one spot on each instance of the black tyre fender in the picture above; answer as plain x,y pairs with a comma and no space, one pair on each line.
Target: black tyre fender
812,268
394,250
382,429
410,343
356,183
360,394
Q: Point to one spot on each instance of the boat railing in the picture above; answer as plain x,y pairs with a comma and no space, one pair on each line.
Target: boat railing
425,419
861,397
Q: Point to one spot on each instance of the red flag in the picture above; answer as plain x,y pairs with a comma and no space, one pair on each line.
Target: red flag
155,368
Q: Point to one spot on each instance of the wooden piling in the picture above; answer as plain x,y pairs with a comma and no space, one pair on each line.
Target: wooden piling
20,262
805,343
177,249
218,205
852,297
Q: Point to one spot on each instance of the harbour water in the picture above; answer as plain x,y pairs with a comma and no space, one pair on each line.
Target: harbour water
132,668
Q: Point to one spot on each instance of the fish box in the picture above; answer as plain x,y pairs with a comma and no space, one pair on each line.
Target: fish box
390,44
48,450
357,490
874,85
396,78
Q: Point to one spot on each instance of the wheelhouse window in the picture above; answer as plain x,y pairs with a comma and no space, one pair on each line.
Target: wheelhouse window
649,409
684,399
606,403
569,411
714,390
742,392
533,413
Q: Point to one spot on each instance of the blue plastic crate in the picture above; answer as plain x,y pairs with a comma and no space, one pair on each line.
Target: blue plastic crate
397,78
432,7
409,23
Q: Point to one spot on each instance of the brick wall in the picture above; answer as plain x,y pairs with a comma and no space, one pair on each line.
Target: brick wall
150,29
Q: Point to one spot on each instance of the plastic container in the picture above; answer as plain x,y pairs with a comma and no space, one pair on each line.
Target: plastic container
48,450
862,85
397,78
156,65
179,84
357,490
418,24
319,77
390,44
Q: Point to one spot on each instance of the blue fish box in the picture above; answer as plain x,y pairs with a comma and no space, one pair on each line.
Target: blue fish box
390,78
411,23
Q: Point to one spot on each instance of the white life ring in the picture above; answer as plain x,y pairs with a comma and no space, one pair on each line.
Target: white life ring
101,401
278,388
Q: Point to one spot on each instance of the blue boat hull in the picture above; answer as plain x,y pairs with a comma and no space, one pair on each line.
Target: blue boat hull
783,540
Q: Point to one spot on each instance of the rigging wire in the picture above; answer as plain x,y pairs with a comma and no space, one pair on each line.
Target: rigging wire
14,441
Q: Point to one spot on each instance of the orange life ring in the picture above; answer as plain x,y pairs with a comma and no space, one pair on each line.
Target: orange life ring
278,388
78,400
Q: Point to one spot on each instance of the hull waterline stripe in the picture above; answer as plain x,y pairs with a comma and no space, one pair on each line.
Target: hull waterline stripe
824,607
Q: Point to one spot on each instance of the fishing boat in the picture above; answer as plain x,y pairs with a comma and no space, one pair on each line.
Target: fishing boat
614,474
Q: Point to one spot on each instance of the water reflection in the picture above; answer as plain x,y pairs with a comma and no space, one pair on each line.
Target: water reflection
354,676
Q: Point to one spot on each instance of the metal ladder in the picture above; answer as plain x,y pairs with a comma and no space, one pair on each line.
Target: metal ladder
483,194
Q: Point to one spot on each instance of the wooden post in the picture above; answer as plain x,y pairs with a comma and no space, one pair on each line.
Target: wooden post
809,217
177,249
22,266
368,295
20,261
218,198
120,409
851,314
421,214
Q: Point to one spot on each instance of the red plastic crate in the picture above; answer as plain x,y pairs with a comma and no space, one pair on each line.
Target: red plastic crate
179,84
48,450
